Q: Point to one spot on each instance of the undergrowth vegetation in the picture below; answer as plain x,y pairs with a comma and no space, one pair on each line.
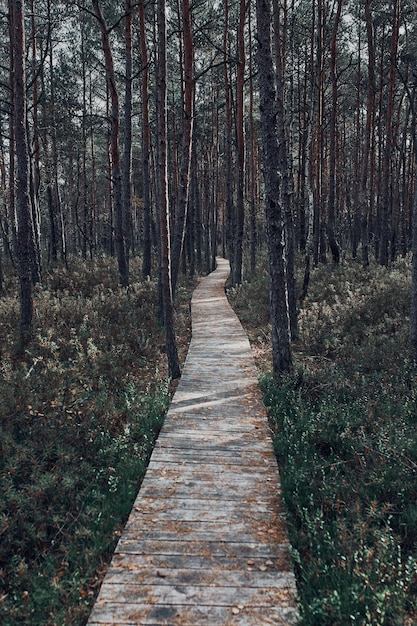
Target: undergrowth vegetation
345,427
78,418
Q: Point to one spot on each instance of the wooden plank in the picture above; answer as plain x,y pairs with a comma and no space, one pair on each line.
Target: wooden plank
184,615
251,550
154,563
205,595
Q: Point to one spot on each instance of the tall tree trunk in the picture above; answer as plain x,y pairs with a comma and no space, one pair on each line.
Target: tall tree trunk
34,162
24,217
413,309
162,174
228,155
146,146
281,344
387,156
333,160
114,147
127,153
240,149
284,168
186,141
253,159
370,117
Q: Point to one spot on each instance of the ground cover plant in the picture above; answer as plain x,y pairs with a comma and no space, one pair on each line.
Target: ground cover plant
346,440
78,417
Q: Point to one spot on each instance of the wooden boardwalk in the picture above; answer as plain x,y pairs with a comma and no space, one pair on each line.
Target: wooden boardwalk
206,543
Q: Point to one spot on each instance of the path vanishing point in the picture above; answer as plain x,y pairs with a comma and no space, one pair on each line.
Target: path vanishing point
206,541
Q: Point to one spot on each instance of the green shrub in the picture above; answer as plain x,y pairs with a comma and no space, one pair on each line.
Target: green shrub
350,489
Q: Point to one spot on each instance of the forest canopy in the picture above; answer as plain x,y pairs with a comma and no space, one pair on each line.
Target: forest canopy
112,95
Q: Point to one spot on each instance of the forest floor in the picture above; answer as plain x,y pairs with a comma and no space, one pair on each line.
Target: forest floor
78,416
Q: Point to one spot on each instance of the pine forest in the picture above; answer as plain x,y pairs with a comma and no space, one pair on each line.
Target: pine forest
140,140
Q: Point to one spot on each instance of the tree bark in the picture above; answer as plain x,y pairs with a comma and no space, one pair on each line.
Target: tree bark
370,117
146,146
331,209
127,153
284,168
413,308
229,204
240,149
24,217
186,142
114,147
386,165
281,344
164,216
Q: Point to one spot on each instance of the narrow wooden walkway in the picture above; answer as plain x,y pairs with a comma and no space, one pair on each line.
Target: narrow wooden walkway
206,543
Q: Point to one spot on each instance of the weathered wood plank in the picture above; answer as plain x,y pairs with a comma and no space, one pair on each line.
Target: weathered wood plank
184,615
232,550
210,594
206,541
154,563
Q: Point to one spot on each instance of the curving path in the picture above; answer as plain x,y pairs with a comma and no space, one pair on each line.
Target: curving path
206,542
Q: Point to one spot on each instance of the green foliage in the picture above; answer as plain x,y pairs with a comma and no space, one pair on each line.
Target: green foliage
78,418
345,437
348,477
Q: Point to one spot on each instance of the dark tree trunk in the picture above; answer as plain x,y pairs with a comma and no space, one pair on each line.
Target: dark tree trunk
25,246
387,156
114,147
281,344
186,142
240,149
413,310
331,209
165,253
146,146
284,168
127,153
370,117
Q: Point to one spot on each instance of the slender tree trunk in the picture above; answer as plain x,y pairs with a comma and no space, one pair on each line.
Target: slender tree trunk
186,142
114,147
229,204
331,209
387,156
146,146
281,344
24,217
240,149
253,159
287,191
54,200
127,154
165,254
413,309
370,117
34,161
